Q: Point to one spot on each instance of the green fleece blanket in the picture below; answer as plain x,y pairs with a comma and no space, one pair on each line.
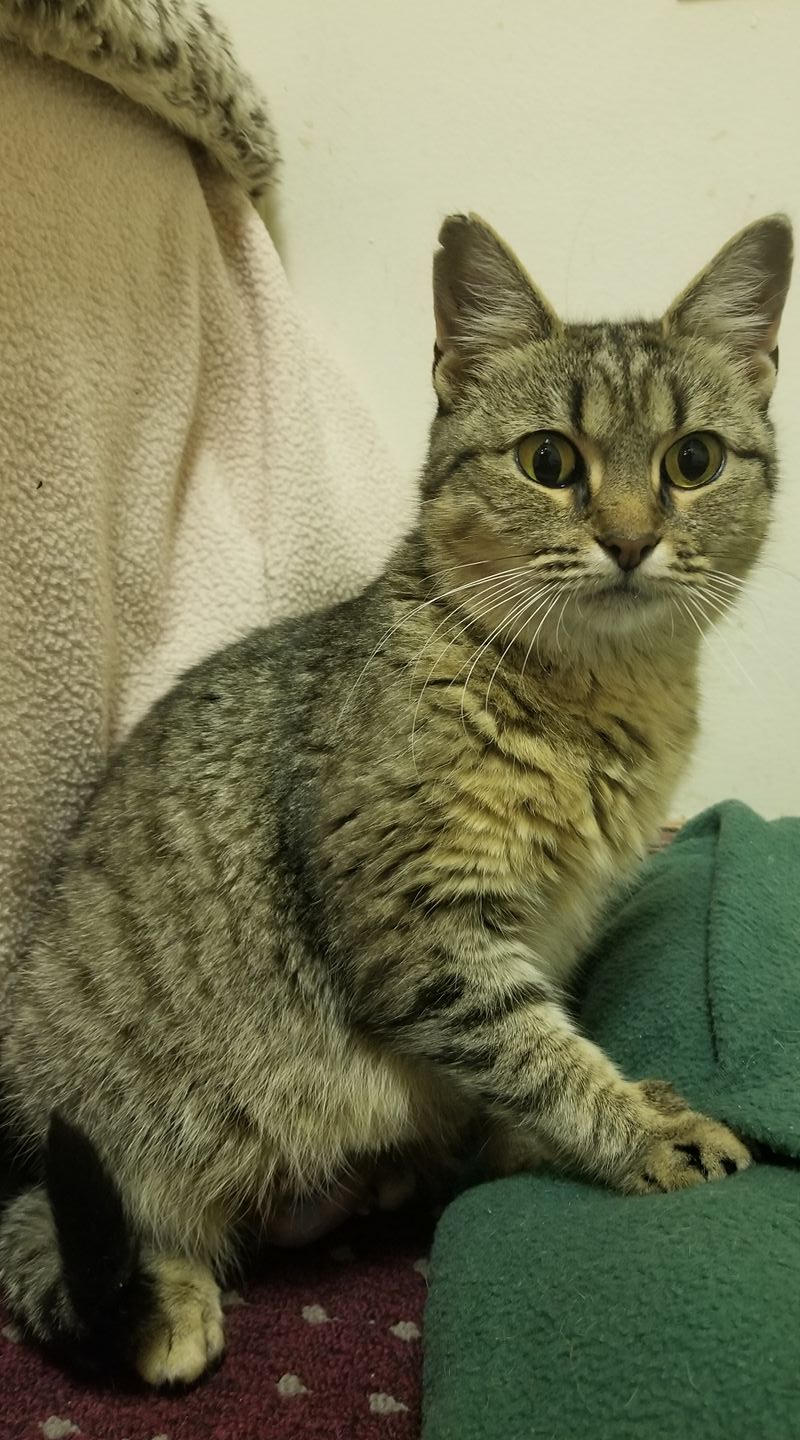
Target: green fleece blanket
560,1310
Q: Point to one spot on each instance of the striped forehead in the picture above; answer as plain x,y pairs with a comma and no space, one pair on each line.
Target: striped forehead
624,386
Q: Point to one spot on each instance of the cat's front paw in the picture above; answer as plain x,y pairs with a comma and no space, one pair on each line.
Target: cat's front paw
686,1149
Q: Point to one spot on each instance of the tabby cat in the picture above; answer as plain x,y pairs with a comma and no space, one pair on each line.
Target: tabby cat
319,917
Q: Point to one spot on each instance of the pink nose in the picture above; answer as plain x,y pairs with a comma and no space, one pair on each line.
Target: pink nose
628,550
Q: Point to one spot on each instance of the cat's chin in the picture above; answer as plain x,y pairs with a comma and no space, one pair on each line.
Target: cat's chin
627,605
630,592
621,591
618,594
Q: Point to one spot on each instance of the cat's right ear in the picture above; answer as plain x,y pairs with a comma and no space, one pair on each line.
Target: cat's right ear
483,302
738,300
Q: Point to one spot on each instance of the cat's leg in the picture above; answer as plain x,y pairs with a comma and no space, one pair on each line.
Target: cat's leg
183,1333
510,1149
80,1272
500,1032
180,1330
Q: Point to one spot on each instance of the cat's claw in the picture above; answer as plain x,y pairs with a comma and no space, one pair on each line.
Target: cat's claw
689,1150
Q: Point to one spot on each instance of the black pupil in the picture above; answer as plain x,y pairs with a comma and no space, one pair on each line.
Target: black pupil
693,458
547,463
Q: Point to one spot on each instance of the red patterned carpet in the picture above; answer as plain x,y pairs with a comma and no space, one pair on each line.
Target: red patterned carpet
325,1345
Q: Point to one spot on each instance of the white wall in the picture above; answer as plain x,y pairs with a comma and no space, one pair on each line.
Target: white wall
616,144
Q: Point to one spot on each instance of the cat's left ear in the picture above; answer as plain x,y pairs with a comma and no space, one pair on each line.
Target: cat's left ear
738,299
483,302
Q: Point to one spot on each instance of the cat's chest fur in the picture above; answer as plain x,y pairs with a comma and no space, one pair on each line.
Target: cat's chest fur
558,791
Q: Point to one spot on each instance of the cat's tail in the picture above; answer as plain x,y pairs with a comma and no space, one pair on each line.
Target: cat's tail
69,1265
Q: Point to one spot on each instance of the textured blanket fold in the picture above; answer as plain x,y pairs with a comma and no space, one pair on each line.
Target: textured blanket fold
172,56
179,460
558,1309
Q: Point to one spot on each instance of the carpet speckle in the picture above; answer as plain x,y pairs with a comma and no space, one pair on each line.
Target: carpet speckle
56,1429
315,1315
291,1385
405,1330
385,1405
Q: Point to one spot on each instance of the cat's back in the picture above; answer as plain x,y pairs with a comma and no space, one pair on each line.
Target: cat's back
207,753
174,869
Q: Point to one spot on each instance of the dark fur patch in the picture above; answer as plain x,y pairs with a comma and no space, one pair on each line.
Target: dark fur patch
341,821
437,483
678,404
431,1001
433,998
107,1289
481,1056
759,455
635,736
610,744
167,57
694,1158
576,405
599,808
500,1006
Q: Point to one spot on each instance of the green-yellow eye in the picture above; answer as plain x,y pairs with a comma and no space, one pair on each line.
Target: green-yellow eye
548,458
693,460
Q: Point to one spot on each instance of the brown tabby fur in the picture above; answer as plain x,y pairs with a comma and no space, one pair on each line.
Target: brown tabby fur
321,910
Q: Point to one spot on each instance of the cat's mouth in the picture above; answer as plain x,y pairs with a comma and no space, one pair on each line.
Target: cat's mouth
627,587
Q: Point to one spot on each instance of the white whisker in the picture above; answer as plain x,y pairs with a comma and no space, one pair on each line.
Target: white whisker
498,590
769,641
435,600
558,626
479,616
479,652
553,602
470,564
733,582
527,618
779,569
697,606
724,576
715,601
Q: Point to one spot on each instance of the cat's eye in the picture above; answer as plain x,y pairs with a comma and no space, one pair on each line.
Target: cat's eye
694,460
548,458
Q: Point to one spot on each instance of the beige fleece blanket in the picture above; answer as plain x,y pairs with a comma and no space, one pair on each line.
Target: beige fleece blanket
179,460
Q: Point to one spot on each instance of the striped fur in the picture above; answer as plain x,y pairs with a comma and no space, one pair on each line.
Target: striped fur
321,913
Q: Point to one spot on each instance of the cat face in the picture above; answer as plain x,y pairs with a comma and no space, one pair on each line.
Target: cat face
610,477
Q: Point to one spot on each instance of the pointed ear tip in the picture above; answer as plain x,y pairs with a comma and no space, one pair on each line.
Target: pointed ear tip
780,226
778,220
457,224
778,230
451,224
780,235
